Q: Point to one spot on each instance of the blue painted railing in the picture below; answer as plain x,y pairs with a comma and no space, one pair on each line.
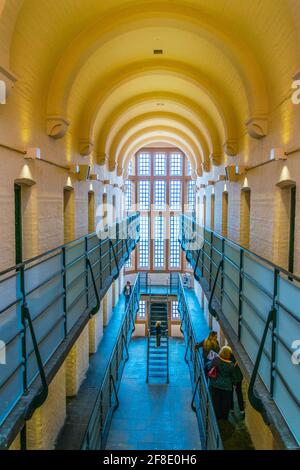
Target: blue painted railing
260,301
44,299
202,402
107,401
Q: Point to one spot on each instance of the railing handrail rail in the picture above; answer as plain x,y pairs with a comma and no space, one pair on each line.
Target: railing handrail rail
200,359
17,267
107,371
246,250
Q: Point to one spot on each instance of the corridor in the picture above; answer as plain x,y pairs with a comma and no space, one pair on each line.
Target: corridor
149,155
154,416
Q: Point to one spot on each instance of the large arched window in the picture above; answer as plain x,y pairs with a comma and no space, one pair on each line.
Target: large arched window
160,186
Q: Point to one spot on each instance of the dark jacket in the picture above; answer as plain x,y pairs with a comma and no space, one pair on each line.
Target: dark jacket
125,291
237,373
225,374
158,330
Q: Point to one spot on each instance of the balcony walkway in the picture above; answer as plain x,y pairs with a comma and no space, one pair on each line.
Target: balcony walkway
151,416
80,407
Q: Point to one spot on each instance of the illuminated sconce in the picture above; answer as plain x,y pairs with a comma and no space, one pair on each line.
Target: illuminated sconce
33,153
69,184
285,180
75,169
246,186
278,154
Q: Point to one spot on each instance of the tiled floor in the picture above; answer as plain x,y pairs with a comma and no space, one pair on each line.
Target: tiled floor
154,417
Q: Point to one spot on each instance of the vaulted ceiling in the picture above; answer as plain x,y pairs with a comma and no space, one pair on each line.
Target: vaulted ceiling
87,72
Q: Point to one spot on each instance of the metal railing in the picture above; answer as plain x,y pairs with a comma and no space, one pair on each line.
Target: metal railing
201,403
107,401
170,284
260,301
43,300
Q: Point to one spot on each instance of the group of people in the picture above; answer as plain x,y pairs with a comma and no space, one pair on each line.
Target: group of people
225,376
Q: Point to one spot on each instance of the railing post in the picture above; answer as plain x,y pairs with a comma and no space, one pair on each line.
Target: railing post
86,271
65,291
24,326
110,386
241,281
100,263
210,259
274,328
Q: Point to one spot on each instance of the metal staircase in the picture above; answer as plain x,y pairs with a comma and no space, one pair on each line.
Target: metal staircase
158,356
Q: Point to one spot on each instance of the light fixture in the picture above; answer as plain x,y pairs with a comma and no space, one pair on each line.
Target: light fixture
278,154
75,169
33,153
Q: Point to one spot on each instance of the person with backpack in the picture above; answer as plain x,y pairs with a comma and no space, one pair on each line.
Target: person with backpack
210,348
221,375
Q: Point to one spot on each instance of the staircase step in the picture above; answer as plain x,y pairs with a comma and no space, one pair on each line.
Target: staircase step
158,356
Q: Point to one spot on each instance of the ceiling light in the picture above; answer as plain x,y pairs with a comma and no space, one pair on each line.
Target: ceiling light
278,154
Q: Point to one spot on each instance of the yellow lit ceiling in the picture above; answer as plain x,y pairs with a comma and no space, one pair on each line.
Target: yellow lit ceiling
88,76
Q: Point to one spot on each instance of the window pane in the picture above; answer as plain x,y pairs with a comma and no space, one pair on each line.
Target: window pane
144,195
189,168
159,242
191,195
176,164
142,310
128,195
144,164
129,263
174,244
175,195
144,242
175,313
159,195
160,164
130,168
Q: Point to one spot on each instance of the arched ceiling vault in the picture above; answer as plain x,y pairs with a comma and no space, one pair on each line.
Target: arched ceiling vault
158,119
116,117
160,131
89,71
140,17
